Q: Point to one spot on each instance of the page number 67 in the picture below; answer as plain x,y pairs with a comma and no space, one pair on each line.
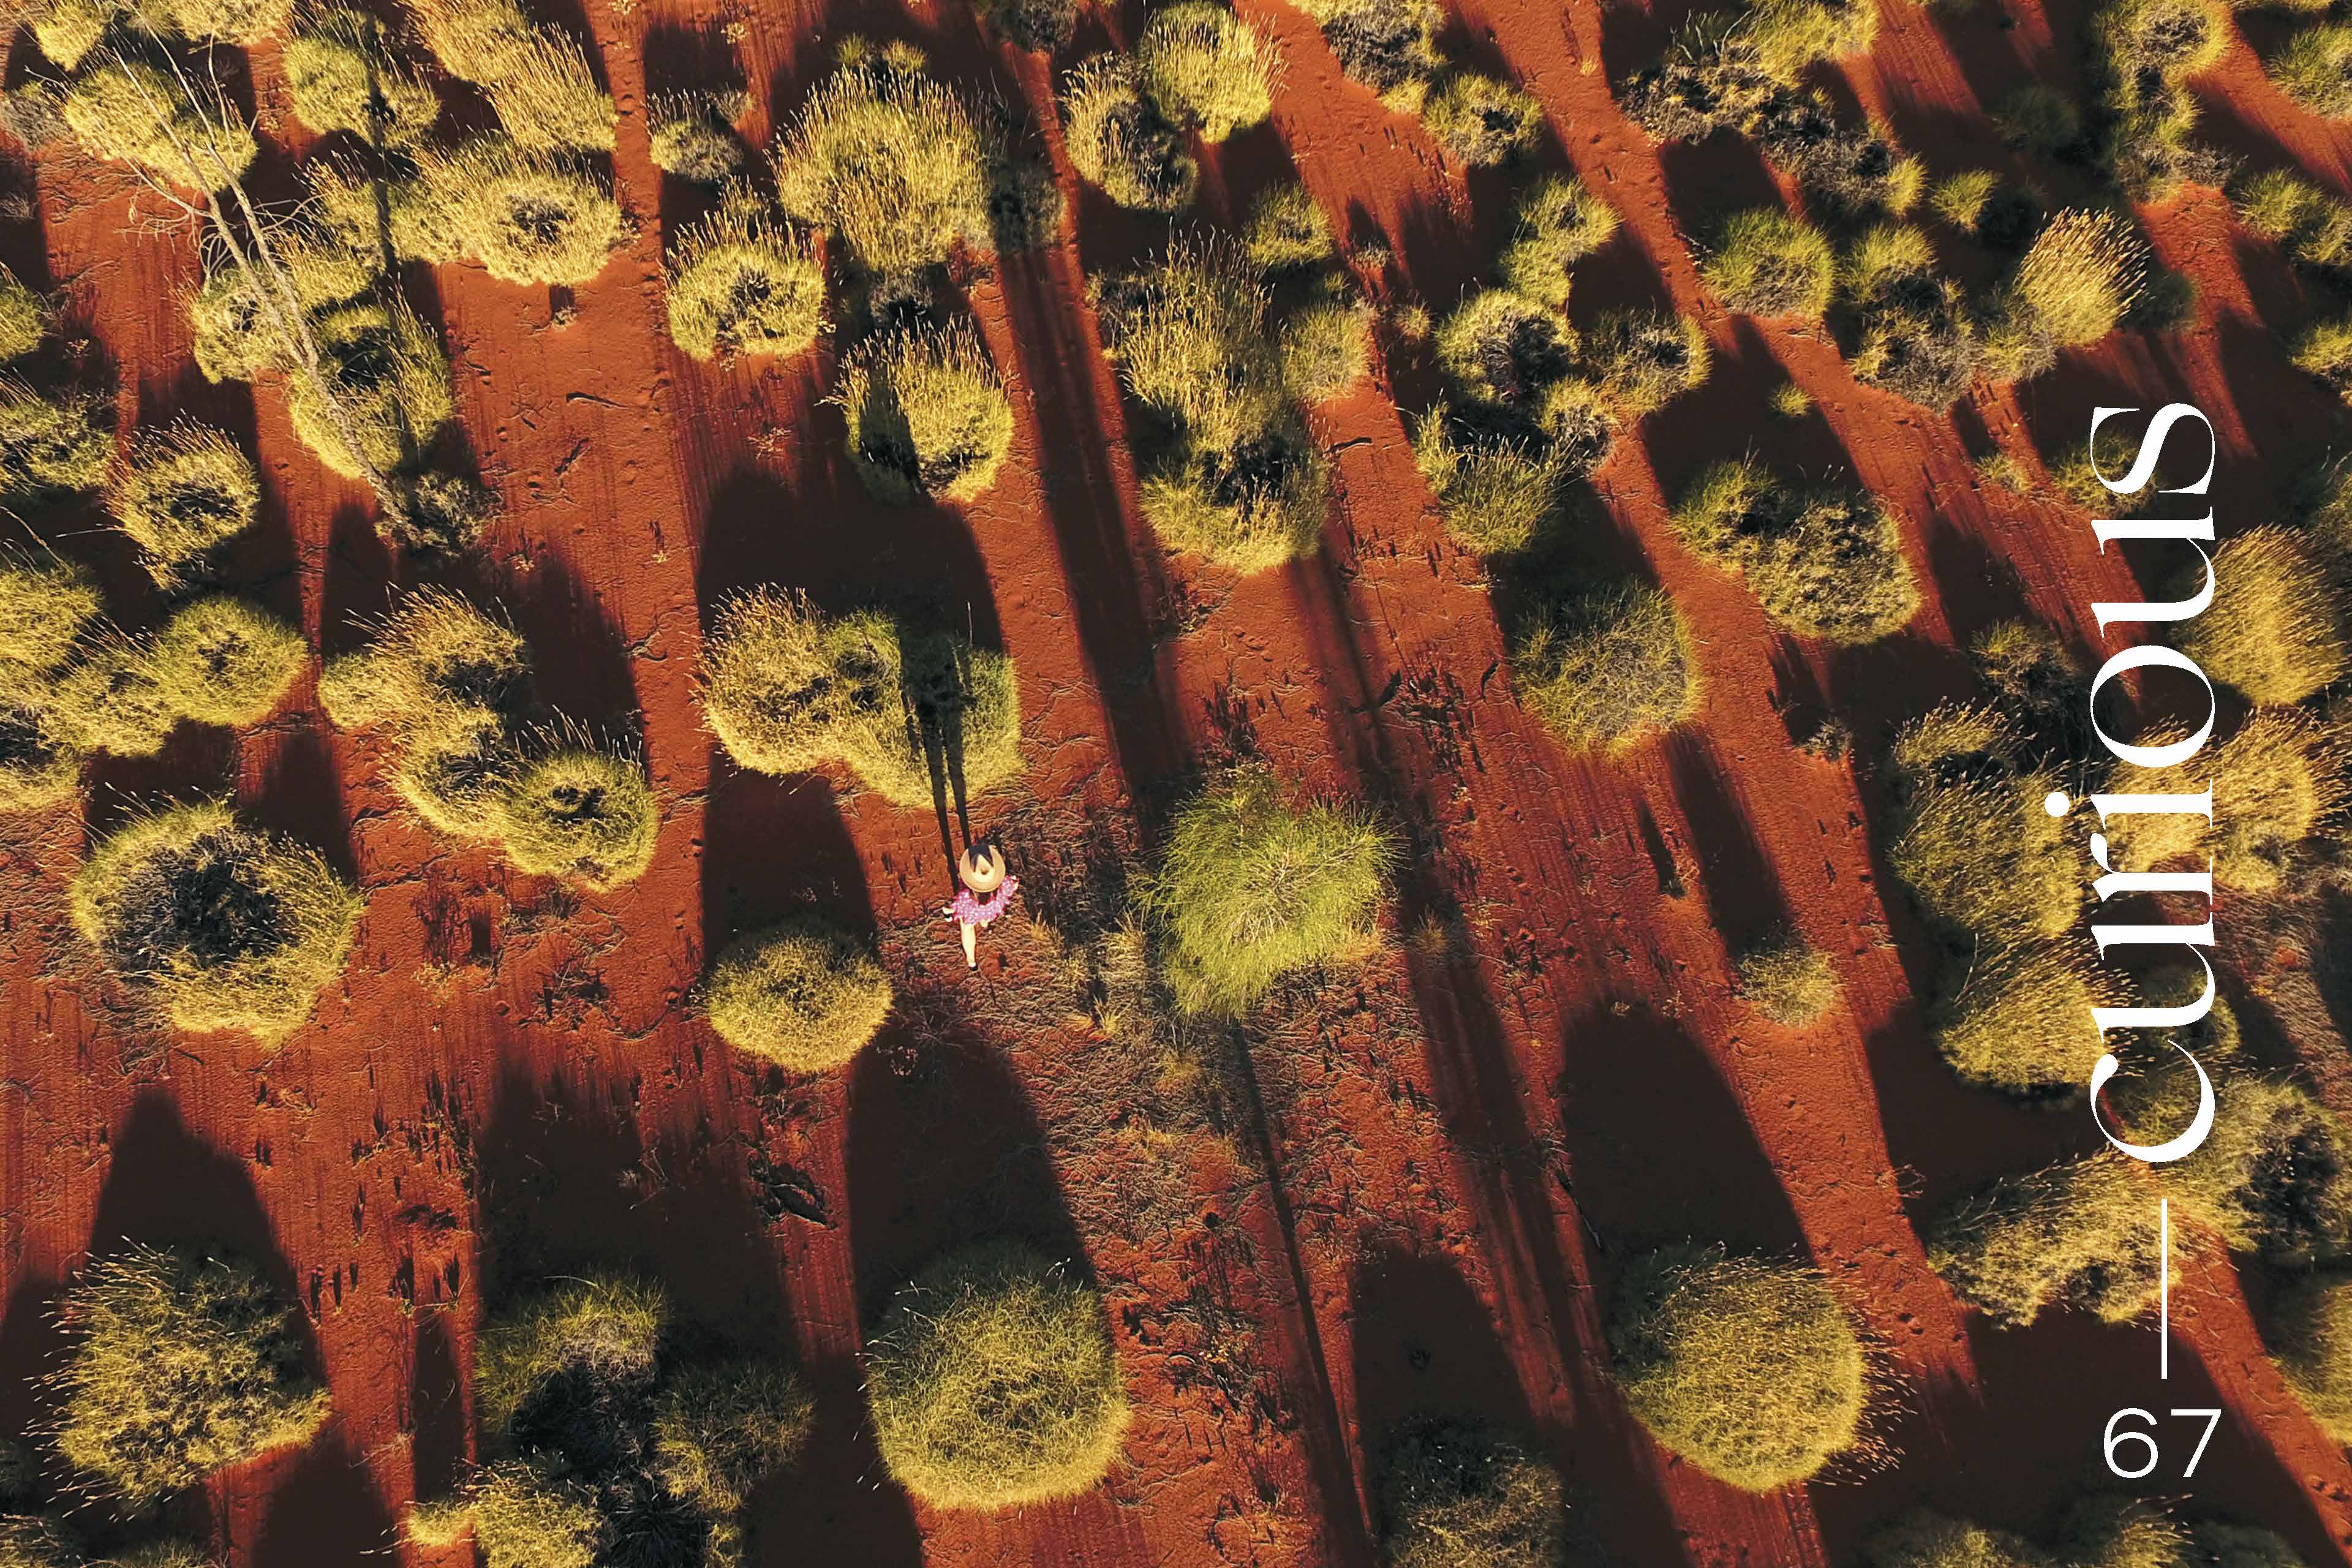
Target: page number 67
2131,1434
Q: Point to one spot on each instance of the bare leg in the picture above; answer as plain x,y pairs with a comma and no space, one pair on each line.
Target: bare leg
970,944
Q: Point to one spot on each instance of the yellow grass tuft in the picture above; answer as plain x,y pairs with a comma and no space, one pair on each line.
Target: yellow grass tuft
1826,561
927,415
1206,70
2081,1235
578,810
1605,669
1466,1494
741,283
184,492
223,660
2274,630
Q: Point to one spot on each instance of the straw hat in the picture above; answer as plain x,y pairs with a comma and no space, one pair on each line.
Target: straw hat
981,868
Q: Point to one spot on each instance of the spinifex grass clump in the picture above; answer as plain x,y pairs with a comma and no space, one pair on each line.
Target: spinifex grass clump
49,446
1555,224
1229,470
1826,561
1914,335
527,215
223,660
537,78
1120,140
741,283
902,172
1484,121
1196,68
1746,1367
912,710
2313,68
2309,1331
2072,288
2143,53
1390,46
1605,667
804,996
1997,213
2096,1532
387,371
24,317
1468,1494
2312,226
124,108
45,604
234,339
1251,889
607,1438
1787,979
1766,263
2273,1178
182,1362
240,22
572,807
2274,630
184,492
994,1383
2277,780
2015,1016
692,133
222,926
927,415
1971,839
2081,1234
1204,67
344,73
1040,26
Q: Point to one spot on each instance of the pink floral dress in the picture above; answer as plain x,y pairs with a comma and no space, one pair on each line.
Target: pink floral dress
975,912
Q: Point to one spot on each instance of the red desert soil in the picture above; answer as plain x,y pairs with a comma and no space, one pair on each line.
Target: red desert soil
1546,1073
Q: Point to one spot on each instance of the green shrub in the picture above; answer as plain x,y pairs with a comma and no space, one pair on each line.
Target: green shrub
387,372
740,282
724,1426
1825,561
2273,1178
129,110
2081,1235
2313,68
181,1364
1251,889
49,446
547,98
1287,231
1120,142
1604,668
787,689
1480,119
1206,70
579,810
1556,224
38,770
892,164
526,216
1787,979
1766,263
1390,46
804,996
1791,34
225,927
2312,226
343,74
183,493
2274,630
1970,838
1466,1494
1645,358
570,1342
1747,1368
24,318
222,660
994,1383
927,415
44,604
693,134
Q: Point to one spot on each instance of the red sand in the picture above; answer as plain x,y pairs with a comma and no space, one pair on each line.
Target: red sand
1470,1140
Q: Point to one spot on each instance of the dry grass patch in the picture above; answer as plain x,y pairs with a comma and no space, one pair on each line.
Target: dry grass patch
38,769
741,283
181,1364
1746,1367
24,317
1251,889
1787,979
1206,70
49,445
927,415
184,492
1468,1494
2274,630
1604,668
2312,226
1916,337
344,74
225,661
2273,1178
1482,119
572,808
994,1383
388,371
1826,561
1645,358
723,1426
1120,142
2313,68
2277,780
436,661
109,701
1555,224
1499,480
2309,1331
909,710
1971,839
526,215
804,996
1791,34
46,602
2074,287
126,109
1766,263
224,926
1503,347
547,98
2079,1235
692,133
2016,1016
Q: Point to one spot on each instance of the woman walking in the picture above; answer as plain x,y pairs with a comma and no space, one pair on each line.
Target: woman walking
987,892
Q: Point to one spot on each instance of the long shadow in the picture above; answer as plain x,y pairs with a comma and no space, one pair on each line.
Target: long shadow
301,795
324,1509
580,666
1744,894
773,846
437,1420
